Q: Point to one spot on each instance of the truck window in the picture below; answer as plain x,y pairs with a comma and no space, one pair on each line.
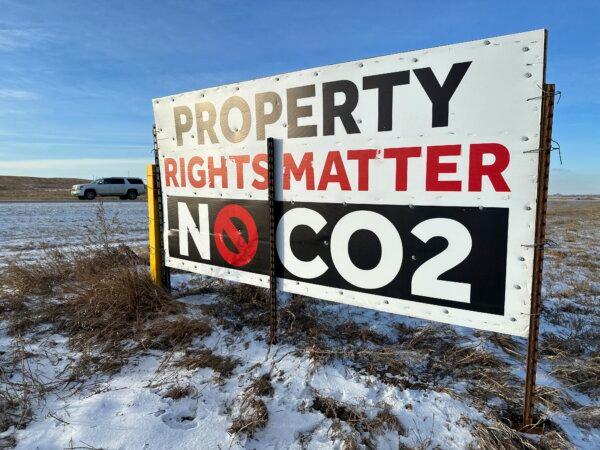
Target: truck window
135,181
114,181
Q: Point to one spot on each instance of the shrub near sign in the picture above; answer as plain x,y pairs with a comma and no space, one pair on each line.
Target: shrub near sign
404,183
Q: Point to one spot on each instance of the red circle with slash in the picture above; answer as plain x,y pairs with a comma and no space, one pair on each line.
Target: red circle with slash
246,249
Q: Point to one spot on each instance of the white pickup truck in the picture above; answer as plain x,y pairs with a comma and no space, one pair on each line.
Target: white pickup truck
124,188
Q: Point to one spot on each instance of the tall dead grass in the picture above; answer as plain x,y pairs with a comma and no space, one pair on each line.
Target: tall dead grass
99,295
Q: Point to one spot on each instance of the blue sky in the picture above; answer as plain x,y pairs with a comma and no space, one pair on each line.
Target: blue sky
77,77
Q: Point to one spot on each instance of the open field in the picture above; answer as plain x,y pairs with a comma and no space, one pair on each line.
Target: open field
29,229
94,356
37,189
34,189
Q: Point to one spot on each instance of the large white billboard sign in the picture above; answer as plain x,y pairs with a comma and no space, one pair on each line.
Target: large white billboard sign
404,183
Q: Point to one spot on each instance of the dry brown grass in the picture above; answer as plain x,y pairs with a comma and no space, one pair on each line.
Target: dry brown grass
365,429
251,411
201,358
582,374
261,387
239,305
37,189
110,309
170,334
101,297
498,437
587,417
253,416
178,392
21,389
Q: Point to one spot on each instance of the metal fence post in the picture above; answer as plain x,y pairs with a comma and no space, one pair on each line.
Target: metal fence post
272,274
538,258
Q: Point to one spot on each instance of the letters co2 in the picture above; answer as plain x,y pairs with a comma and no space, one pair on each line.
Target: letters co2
448,256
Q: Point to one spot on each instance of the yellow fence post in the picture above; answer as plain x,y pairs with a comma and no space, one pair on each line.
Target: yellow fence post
154,237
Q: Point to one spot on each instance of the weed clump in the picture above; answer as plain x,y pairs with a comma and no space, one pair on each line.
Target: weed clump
165,334
101,296
178,392
239,305
498,436
201,358
581,373
253,416
364,429
251,411
113,308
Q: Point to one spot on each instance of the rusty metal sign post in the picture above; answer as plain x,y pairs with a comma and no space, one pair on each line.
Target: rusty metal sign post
548,91
272,275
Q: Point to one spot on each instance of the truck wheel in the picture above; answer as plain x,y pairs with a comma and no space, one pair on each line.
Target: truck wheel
132,194
90,194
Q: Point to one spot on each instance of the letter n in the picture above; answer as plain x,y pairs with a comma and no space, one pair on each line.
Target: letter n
187,227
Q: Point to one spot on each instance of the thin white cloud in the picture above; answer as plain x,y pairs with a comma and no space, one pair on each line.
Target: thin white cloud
77,168
12,39
17,94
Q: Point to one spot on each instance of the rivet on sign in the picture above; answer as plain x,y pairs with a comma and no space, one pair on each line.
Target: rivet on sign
521,258
517,286
528,75
359,121
326,242
344,203
386,302
480,207
192,136
411,206
201,95
341,292
486,42
172,139
237,88
525,49
524,138
528,208
172,99
360,64
512,319
276,78
316,74
415,59
445,311
157,102
284,125
413,257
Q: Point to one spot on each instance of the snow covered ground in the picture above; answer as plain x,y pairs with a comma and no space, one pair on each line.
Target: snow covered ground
28,228
341,377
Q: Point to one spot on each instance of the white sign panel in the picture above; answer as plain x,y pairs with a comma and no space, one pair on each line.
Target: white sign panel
404,183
